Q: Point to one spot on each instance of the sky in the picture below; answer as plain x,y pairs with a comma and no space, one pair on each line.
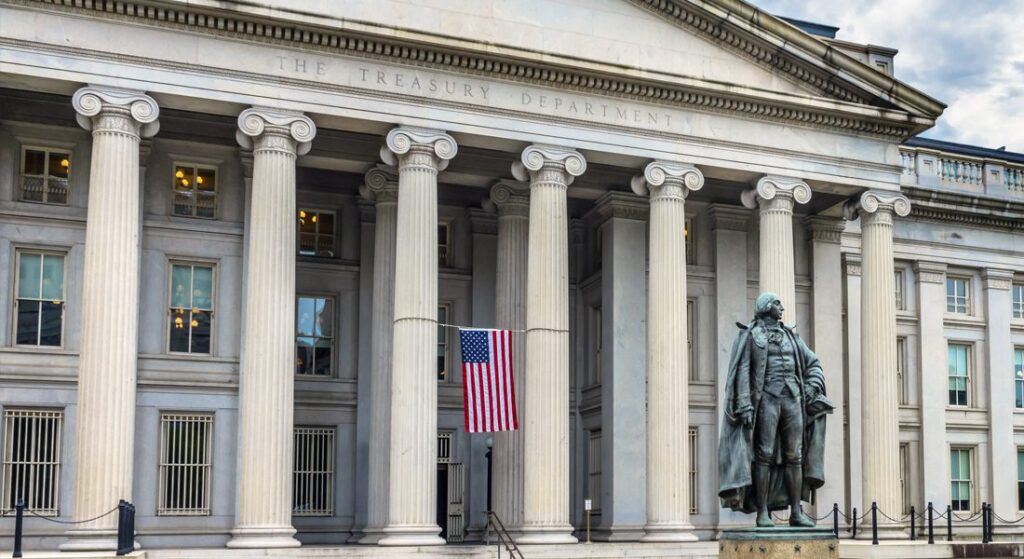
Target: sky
969,54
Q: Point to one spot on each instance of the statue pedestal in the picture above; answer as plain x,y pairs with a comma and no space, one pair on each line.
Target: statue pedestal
778,543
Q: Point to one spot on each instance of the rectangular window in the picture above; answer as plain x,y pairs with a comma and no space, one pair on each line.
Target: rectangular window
44,175
1018,300
444,245
444,447
901,369
693,469
191,308
905,476
691,319
691,253
1020,479
186,468
958,298
195,190
959,361
443,312
316,233
40,302
313,472
898,285
594,471
1018,376
960,479
314,335
32,447
596,328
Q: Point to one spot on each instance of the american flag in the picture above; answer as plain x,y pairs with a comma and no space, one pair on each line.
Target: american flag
488,388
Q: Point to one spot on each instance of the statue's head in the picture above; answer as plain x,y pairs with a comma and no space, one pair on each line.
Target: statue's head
768,304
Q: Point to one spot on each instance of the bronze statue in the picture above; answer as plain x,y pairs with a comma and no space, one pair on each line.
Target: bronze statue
771,451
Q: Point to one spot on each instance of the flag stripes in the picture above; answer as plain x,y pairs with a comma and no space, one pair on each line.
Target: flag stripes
488,385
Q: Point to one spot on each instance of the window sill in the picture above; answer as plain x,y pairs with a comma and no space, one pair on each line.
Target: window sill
60,350
957,319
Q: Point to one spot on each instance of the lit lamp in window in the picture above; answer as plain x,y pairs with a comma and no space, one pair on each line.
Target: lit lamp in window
65,163
302,216
179,322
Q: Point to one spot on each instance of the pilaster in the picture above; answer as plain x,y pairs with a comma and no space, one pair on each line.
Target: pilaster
999,358
933,380
775,197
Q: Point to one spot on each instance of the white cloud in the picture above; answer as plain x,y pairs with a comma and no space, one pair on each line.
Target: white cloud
966,54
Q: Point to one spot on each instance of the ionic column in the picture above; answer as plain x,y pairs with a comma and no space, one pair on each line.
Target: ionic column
668,461
419,153
879,407
513,204
381,186
105,429
775,197
266,387
545,418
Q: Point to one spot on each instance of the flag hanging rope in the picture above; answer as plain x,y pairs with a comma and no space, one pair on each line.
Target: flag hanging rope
488,385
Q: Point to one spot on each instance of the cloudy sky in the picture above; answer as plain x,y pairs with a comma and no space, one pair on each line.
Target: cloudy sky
969,54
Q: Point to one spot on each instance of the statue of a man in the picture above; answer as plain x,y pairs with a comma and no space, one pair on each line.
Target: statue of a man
771,452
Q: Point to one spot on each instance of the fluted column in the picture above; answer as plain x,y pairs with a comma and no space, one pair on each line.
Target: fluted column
545,419
512,200
775,196
263,517
879,408
419,153
107,371
668,491
381,186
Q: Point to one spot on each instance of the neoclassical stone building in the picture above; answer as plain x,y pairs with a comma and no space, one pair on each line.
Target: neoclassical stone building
231,234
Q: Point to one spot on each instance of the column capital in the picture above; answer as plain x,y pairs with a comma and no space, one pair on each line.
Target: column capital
537,156
482,222
615,204
825,229
404,139
257,121
667,179
875,201
930,272
770,187
140,109
380,185
729,218
510,198
996,278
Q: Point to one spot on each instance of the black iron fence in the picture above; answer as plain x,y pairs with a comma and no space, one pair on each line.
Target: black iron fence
924,521
125,525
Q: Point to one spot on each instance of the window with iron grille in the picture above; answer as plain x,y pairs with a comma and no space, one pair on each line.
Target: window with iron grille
32,447
959,361
444,311
191,308
594,471
195,190
314,335
1020,479
186,467
313,472
444,447
40,299
693,469
444,245
961,483
898,288
1018,300
901,369
958,296
316,233
44,175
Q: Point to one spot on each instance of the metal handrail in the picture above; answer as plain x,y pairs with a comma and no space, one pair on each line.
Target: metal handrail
504,539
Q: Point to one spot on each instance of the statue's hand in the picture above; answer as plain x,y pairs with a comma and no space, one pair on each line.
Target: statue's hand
747,418
811,393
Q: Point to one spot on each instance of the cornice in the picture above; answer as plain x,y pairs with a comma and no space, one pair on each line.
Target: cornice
729,218
825,229
709,97
619,205
930,272
966,208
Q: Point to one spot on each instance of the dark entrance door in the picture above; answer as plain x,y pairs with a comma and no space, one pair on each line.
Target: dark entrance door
442,499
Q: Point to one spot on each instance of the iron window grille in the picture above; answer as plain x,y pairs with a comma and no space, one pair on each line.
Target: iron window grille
186,464
313,472
32,452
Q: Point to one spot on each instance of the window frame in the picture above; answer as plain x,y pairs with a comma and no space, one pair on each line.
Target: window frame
444,339
194,192
967,376
691,338
952,280
690,242
1017,301
693,449
901,371
969,480
1020,479
333,338
44,252
25,148
317,235
594,470
444,260
899,289
904,460
331,431
597,333
9,463
212,311
205,419
1018,377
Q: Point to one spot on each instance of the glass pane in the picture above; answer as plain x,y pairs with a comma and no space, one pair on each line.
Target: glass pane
323,357
183,179
304,316
326,224
179,328
954,465
28,322
304,356
56,190
307,221
965,464
307,244
50,329
206,205
206,180
53,277
1020,466
60,164
202,288
962,361
181,285
183,202
951,360
200,332
324,317
32,189
30,269
35,162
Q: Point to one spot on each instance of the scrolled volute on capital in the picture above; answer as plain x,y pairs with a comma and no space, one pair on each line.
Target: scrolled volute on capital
509,197
770,186
535,156
90,100
254,121
658,173
874,200
401,140
380,184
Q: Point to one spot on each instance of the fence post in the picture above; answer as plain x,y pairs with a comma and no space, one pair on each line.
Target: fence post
835,519
131,528
874,523
854,531
986,523
931,532
19,508
949,523
122,524
913,523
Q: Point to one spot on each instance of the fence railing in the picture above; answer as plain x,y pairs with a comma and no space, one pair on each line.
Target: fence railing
925,520
125,525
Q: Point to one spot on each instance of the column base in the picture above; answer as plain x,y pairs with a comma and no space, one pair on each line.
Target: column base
668,533
546,535
618,533
99,539
252,538
411,534
890,531
368,536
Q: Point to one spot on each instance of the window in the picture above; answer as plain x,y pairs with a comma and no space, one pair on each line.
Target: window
958,297
313,472
40,304
195,190
1020,479
191,309
594,471
316,233
693,469
444,245
898,282
44,175
1018,376
960,479
905,476
691,319
691,255
186,442
32,450
901,369
314,335
443,312
959,361
1018,300
596,329
444,447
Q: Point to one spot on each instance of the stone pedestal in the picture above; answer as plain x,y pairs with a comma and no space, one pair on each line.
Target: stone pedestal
778,543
